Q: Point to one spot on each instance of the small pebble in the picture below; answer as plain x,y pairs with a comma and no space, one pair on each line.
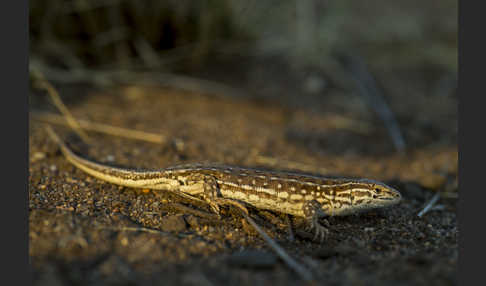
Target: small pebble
175,223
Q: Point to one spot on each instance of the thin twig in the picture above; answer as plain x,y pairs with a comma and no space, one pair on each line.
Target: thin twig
42,83
373,96
107,77
142,229
438,208
299,269
429,205
101,128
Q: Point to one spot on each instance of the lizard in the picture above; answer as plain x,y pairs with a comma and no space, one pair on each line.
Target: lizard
308,196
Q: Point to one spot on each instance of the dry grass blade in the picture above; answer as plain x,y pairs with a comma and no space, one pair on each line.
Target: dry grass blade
141,229
101,128
429,205
299,269
107,77
374,98
42,83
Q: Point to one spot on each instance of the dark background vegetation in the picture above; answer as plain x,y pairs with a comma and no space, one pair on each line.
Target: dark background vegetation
297,52
365,82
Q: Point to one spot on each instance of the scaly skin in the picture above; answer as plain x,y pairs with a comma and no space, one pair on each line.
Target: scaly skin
307,196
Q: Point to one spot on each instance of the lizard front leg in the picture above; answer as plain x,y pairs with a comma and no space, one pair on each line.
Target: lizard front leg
211,193
313,212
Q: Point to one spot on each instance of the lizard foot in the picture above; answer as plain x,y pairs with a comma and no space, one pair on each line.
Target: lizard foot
320,231
313,211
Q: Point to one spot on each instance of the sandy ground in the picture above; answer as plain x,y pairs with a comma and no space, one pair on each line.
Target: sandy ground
84,231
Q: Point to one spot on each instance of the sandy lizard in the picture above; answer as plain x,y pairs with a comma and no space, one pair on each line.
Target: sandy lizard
311,197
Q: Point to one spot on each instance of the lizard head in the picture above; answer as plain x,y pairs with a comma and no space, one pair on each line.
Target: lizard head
382,195
365,195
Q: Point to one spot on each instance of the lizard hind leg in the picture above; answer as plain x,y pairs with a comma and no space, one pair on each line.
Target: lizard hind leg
313,212
210,194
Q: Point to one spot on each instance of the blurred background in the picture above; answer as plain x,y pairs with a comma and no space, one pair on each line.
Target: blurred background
389,63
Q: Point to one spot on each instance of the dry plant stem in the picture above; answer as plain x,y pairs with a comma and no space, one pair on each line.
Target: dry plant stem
142,229
109,77
299,269
374,98
101,128
429,205
56,99
161,139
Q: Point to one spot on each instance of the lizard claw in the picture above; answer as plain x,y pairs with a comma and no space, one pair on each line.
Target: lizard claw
326,223
313,211
320,232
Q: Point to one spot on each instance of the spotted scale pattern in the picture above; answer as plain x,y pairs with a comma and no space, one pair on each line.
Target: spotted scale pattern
292,193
